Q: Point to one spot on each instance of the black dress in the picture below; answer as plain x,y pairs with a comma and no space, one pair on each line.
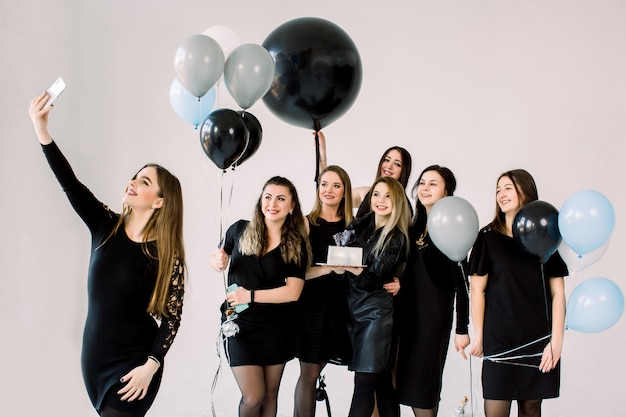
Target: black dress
322,307
267,334
119,334
371,307
426,305
518,312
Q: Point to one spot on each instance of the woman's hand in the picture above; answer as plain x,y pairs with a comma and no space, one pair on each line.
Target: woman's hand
461,341
38,113
219,260
239,296
138,381
476,349
551,356
354,270
392,287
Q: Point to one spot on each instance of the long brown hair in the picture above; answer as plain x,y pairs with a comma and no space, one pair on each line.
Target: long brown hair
166,225
345,207
405,173
526,190
254,240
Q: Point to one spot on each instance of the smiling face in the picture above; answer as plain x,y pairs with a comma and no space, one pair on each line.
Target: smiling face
391,165
142,192
331,189
506,196
431,188
381,200
276,202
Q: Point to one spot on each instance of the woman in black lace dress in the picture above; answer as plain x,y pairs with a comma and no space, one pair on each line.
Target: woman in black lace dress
322,307
136,275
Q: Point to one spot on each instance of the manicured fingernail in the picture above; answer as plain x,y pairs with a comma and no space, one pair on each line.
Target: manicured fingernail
122,379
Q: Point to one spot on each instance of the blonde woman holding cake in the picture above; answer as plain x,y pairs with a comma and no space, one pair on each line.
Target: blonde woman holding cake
322,307
383,235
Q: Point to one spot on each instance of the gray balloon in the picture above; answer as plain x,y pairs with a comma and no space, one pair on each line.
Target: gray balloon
248,73
453,227
199,63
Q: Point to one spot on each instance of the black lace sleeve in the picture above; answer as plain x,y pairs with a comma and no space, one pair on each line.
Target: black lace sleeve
169,325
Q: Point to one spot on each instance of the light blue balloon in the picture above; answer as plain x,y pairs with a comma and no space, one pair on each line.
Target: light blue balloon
594,306
187,106
586,221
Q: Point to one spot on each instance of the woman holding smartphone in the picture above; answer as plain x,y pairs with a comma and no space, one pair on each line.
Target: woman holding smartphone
268,258
135,283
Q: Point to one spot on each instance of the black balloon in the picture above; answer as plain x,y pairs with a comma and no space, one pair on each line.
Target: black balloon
317,72
223,137
255,135
536,228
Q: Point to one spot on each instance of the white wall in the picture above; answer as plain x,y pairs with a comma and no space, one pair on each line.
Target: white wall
479,86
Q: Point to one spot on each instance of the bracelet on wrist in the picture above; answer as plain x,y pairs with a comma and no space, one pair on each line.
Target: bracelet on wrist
251,296
156,360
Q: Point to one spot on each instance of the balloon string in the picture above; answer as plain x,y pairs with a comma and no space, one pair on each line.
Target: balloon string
317,157
201,115
222,341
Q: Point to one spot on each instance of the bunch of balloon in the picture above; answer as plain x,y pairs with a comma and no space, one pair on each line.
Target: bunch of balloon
594,306
198,64
586,222
317,76
536,229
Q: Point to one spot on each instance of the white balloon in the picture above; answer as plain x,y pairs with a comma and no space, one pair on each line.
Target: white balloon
225,37
576,263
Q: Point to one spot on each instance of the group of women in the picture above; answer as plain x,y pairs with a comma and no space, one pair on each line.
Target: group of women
394,312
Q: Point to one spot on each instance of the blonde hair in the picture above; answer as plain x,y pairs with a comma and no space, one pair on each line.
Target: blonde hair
399,217
166,224
345,207
253,240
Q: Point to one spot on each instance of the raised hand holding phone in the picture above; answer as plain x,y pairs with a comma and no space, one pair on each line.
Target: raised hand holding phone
55,90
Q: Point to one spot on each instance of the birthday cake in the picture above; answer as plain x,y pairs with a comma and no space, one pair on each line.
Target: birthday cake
344,256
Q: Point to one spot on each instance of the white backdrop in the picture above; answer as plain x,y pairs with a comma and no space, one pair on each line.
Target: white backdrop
479,86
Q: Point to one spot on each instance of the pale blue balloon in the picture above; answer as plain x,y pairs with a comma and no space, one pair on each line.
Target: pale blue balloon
187,106
594,306
586,221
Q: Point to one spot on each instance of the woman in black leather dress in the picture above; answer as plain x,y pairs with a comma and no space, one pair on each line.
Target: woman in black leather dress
383,236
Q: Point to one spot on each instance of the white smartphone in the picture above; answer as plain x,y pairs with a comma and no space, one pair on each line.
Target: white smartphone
55,90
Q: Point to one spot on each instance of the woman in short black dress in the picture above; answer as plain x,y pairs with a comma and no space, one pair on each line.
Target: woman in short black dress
322,307
430,285
383,235
517,310
268,257
136,274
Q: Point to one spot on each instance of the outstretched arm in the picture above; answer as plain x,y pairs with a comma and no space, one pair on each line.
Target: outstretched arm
38,112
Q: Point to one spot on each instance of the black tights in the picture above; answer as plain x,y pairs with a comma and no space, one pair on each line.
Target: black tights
304,396
425,412
368,386
259,389
502,408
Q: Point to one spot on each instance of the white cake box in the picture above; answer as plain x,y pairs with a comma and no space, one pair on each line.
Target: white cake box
344,256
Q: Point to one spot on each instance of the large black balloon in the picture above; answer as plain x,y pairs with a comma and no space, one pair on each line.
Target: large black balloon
255,135
317,73
536,228
223,137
